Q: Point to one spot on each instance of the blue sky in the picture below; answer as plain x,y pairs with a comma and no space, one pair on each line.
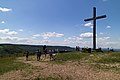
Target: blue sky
59,22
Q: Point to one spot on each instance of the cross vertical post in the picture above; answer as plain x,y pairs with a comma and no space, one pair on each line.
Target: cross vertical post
94,28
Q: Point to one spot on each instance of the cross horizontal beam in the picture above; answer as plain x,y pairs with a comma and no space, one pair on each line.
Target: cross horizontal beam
89,19
98,17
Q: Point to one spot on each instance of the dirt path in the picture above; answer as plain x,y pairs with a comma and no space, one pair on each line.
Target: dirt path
67,71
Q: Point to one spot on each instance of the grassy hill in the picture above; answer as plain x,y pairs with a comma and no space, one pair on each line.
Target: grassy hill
67,66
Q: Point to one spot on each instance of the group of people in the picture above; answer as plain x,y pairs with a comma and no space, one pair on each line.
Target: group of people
77,48
39,53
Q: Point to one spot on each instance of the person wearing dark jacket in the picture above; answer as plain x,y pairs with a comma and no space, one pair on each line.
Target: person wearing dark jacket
27,54
38,54
51,54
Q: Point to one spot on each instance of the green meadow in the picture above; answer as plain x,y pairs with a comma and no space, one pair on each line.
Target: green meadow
99,61
9,64
104,60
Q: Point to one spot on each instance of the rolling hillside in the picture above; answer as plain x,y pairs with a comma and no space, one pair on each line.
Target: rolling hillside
9,49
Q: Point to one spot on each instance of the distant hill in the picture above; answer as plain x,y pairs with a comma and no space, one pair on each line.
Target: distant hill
115,50
7,49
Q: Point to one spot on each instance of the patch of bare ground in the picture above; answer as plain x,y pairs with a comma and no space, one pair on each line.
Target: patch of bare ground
68,71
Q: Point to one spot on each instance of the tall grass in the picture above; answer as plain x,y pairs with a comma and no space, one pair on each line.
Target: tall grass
48,78
72,56
105,61
110,58
9,63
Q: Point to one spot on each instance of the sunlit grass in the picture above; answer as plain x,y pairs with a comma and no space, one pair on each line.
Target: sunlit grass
105,61
53,78
71,56
9,63
100,60
48,78
110,58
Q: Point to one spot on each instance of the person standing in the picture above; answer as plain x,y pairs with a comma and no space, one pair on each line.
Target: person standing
108,50
51,54
44,50
27,54
38,55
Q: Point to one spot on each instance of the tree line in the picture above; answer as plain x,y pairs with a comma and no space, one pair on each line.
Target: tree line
19,49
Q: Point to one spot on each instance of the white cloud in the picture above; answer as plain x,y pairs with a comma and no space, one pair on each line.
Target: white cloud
4,31
48,35
47,42
5,9
84,40
101,42
73,39
77,41
70,41
86,35
20,30
8,32
36,35
44,41
90,24
3,22
19,40
51,34
106,42
108,27
8,38
101,33
103,39
12,39
11,33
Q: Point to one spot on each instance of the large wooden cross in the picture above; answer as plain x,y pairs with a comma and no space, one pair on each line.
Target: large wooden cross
94,18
